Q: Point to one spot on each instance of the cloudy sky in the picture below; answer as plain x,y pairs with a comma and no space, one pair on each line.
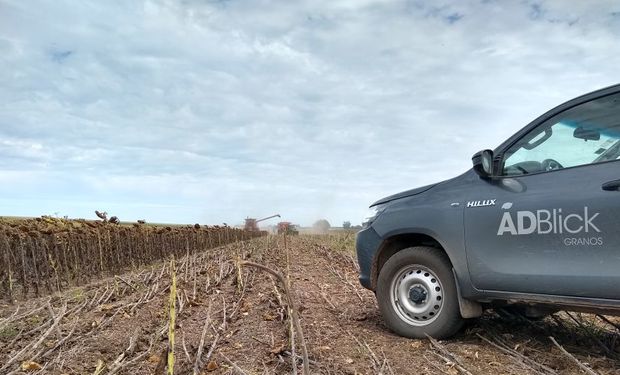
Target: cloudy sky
210,111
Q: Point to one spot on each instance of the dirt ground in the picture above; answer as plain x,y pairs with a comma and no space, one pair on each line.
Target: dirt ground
235,320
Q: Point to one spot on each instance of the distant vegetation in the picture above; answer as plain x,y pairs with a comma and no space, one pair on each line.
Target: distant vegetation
321,226
44,255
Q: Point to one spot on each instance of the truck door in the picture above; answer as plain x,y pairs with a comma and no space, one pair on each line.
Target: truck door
549,223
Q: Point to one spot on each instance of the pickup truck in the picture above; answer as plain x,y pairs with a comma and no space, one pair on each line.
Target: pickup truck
534,225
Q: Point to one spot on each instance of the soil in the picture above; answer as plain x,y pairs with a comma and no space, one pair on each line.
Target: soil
120,325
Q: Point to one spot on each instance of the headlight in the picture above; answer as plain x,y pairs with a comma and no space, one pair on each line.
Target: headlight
372,214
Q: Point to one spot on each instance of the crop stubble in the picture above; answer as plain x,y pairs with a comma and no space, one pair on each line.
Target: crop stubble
232,319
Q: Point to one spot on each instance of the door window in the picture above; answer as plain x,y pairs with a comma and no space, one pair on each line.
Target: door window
585,134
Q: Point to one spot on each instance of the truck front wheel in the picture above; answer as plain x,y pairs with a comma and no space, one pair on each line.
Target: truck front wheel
417,295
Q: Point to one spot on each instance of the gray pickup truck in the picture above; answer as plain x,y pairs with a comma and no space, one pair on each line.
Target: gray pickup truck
534,225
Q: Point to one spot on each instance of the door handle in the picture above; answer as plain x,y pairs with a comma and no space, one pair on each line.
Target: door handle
612,185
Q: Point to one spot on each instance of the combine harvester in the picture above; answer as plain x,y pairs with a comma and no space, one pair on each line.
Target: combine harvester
252,224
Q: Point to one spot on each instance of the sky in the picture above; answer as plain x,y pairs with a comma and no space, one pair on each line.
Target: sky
208,112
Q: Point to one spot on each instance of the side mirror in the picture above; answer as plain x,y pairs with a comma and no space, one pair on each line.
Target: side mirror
587,134
483,163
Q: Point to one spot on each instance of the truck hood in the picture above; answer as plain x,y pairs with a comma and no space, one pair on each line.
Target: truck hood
404,194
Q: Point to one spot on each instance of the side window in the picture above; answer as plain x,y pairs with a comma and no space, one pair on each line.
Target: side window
585,134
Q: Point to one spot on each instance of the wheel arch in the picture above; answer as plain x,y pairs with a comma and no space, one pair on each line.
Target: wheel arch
393,244
396,243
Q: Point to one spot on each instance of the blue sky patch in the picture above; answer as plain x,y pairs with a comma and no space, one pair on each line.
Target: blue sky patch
454,17
60,56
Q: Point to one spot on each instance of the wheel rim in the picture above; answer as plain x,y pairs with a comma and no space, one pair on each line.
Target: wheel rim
417,295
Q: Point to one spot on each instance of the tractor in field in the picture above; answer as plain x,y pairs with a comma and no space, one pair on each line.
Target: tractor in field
286,227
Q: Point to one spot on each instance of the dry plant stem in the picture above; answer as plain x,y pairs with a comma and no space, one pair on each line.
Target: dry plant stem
373,356
218,332
62,341
198,362
126,282
41,327
435,366
522,359
331,305
238,304
92,301
314,363
572,358
261,341
180,302
30,348
603,318
291,325
585,329
127,352
291,303
161,273
76,309
224,321
452,357
189,359
106,322
344,279
147,278
138,358
13,317
51,311
374,361
277,293
144,299
194,286
108,297
213,344
446,361
17,337
172,317
9,318
292,337
103,295
233,364
239,276
99,368
386,364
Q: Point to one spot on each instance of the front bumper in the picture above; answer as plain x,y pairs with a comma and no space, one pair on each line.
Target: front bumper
367,243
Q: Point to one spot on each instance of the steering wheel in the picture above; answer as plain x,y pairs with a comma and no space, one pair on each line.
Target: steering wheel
550,165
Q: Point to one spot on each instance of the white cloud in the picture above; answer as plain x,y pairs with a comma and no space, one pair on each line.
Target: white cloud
213,111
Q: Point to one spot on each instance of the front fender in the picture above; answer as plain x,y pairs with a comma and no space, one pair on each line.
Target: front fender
432,217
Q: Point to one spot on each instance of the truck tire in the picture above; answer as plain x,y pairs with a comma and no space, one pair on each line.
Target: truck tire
417,295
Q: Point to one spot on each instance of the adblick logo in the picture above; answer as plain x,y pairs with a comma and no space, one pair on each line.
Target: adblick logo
546,222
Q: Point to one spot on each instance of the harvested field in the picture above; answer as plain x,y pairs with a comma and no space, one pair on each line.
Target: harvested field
234,318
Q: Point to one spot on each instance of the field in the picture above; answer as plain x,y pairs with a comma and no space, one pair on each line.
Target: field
215,311
43,255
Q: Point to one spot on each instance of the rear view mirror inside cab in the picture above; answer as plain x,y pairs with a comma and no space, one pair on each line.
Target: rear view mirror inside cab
538,139
587,134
